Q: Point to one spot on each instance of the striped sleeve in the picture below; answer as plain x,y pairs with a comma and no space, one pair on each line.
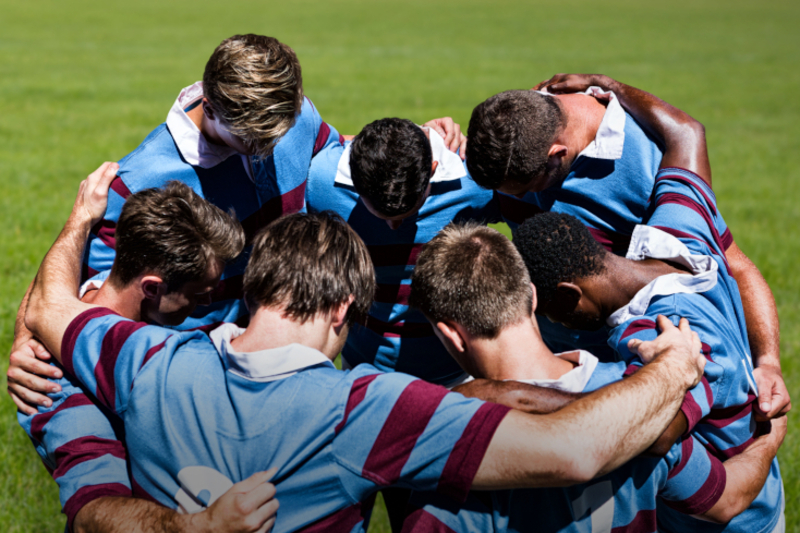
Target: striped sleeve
685,206
397,430
100,251
105,352
81,448
428,512
696,479
699,400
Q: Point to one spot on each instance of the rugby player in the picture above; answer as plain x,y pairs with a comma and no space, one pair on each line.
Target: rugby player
270,394
595,156
474,288
172,247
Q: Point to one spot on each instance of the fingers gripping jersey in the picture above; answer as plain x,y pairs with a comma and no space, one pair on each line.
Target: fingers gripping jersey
396,337
343,435
257,191
80,447
719,409
689,479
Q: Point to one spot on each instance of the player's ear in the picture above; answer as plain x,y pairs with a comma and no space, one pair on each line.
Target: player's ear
433,167
534,301
557,151
568,295
208,110
153,287
453,335
339,313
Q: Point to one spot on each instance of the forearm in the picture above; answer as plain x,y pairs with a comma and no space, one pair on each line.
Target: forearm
53,297
760,312
130,515
521,396
682,136
22,333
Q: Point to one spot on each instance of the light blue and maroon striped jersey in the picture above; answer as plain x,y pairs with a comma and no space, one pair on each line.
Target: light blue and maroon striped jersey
688,479
258,195
720,408
81,446
336,437
397,337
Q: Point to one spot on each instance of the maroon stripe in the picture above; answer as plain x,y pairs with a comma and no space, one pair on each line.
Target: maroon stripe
692,411
733,451
467,454
636,326
516,210
393,293
679,199
394,254
87,272
208,328
113,341
693,185
631,370
705,349
683,235
40,420
274,208
344,520
357,393
610,240
106,232
421,521
90,493
74,330
406,330
155,349
643,522
707,495
687,445
406,422
727,238
322,137
341,139
139,492
229,289
85,449
708,391
119,187
722,417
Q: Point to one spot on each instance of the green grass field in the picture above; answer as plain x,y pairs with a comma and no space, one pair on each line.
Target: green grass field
82,82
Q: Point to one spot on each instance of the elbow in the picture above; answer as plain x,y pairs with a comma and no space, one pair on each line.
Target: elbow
32,315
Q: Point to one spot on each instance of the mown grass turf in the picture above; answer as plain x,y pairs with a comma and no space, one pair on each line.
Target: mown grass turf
82,82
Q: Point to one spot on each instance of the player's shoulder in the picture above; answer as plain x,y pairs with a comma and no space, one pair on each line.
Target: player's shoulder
153,163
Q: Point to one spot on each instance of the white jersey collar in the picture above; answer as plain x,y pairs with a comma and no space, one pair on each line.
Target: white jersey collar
610,137
450,166
194,147
576,379
648,242
264,365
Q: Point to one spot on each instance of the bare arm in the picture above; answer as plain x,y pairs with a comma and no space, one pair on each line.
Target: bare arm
600,432
746,474
53,301
683,137
248,506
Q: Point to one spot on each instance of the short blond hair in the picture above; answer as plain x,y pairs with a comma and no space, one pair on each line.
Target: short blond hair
255,84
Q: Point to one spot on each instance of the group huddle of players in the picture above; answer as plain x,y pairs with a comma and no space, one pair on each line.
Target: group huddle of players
614,368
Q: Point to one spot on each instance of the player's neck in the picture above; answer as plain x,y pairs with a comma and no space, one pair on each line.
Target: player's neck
271,328
624,278
205,126
519,353
125,301
583,114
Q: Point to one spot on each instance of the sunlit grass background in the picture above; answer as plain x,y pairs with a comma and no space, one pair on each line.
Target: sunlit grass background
82,82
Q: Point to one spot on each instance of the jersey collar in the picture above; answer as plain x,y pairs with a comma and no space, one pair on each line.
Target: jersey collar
649,242
450,166
264,365
576,379
193,146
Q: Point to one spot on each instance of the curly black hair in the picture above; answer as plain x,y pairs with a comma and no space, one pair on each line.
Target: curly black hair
557,247
390,164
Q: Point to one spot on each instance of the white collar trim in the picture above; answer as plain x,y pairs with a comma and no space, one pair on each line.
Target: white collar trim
194,147
450,166
576,379
649,242
264,365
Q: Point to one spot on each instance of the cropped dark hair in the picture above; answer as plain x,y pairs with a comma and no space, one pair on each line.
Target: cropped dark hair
510,135
255,84
471,275
557,247
309,264
390,163
174,233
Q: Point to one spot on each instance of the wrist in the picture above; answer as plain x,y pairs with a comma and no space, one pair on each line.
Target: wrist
768,359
